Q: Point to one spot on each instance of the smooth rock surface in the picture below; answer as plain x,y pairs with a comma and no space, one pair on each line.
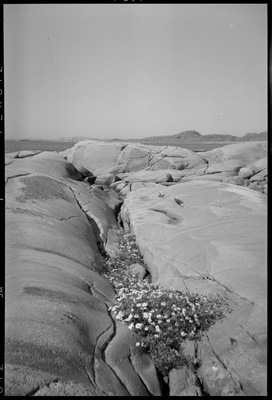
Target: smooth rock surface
103,157
245,173
97,157
214,241
57,322
224,166
46,162
245,152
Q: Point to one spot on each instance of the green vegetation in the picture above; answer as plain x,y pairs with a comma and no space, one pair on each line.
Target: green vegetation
163,319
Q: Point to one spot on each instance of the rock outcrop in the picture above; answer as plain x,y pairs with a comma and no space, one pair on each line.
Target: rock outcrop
200,228
213,241
60,338
136,162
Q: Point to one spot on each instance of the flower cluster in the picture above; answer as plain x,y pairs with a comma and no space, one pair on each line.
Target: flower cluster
162,318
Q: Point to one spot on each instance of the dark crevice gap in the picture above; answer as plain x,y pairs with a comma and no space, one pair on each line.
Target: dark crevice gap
95,228
34,391
200,385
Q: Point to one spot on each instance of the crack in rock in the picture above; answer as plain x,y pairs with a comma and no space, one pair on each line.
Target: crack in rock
224,365
34,391
244,329
16,176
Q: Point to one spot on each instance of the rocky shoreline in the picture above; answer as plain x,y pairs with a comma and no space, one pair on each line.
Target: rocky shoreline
196,229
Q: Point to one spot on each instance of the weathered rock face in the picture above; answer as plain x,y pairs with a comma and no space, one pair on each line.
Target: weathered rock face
47,162
210,237
97,157
245,152
135,162
60,338
148,176
102,158
107,179
254,176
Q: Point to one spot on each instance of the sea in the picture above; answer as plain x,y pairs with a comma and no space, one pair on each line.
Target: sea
47,145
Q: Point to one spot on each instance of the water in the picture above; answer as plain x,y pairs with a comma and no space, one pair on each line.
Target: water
47,145
43,145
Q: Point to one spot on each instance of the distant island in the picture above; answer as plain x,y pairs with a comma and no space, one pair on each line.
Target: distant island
189,136
194,136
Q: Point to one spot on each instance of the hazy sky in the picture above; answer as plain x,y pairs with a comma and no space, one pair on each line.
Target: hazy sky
134,70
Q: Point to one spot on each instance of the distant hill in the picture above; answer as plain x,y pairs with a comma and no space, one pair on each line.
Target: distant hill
194,136
189,136
255,136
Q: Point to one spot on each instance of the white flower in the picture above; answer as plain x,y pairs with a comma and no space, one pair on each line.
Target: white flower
157,328
183,334
144,304
138,326
168,320
158,316
138,344
145,315
136,316
138,305
130,326
163,303
146,328
128,318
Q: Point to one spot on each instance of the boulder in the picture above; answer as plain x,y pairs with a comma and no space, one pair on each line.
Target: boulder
171,157
259,165
245,173
116,158
97,157
224,166
133,158
137,270
245,152
148,176
106,179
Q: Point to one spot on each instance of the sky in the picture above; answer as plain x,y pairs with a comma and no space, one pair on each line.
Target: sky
134,70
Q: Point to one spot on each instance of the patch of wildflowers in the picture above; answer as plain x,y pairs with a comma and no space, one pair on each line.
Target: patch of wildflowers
162,318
